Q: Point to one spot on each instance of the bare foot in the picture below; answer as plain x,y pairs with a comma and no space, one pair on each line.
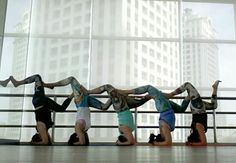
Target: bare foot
4,82
215,85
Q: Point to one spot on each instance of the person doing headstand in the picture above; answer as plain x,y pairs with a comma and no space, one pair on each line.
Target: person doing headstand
43,106
198,108
82,101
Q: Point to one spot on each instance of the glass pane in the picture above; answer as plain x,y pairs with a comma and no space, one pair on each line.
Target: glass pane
63,134
227,59
226,135
135,63
208,20
56,59
14,56
201,63
143,18
67,18
103,134
9,135
18,16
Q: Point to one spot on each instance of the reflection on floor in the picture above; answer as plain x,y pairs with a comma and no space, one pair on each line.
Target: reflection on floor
110,153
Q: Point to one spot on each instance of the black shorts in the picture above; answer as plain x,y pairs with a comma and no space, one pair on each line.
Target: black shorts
200,118
44,115
39,99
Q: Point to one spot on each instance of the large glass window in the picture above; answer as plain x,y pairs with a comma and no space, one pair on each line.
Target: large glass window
136,19
126,43
18,16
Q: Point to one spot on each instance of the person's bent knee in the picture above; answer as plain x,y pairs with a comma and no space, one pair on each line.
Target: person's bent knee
188,84
71,78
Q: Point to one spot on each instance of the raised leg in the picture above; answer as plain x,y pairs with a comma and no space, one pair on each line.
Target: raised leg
4,82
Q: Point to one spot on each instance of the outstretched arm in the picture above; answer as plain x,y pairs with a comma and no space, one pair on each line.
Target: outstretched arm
95,103
102,89
75,85
98,90
34,78
4,82
152,91
67,81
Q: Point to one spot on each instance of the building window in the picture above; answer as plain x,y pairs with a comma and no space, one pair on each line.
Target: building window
144,62
159,68
54,51
128,12
55,26
78,7
53,65
144,48
144,23
151,15
66,23
152,79
165,71
67,11
64,62
87,18
152,65
151,52
144,75
144,10
64,49
144,118
77,20
76,46
165,59
158,56
75,60
56,14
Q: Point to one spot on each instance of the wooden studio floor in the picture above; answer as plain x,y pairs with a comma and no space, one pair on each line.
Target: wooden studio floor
112,154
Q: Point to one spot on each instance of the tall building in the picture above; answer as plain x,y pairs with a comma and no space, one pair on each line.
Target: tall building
200,60
116,43
19,66
130,63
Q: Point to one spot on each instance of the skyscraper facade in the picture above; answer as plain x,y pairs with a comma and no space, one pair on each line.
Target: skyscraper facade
121,42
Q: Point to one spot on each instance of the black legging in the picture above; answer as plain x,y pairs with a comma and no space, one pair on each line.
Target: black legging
43,104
